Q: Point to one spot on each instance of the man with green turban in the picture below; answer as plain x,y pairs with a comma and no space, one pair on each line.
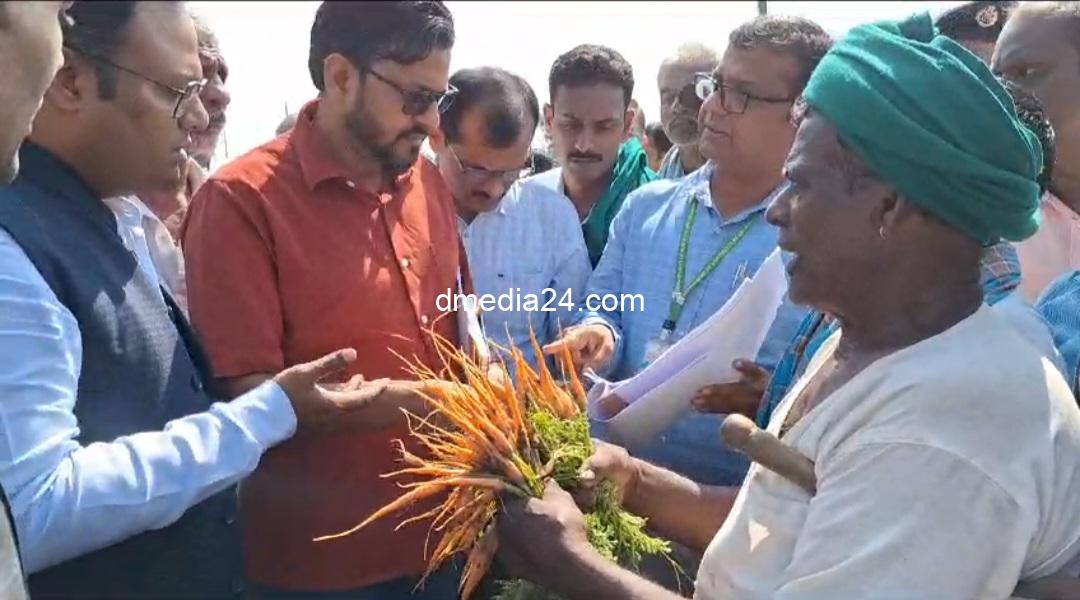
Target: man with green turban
943,448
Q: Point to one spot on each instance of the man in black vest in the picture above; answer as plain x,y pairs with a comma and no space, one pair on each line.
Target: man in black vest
119,463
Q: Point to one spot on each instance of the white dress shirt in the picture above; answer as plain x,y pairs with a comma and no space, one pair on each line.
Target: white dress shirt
70,499
155,250
530,245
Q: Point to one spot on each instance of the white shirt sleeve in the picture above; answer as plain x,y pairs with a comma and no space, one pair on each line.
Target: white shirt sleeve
885,512
70,499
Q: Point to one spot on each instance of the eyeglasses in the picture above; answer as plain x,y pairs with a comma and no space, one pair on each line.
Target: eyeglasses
478,175
417,102
734,101
184,97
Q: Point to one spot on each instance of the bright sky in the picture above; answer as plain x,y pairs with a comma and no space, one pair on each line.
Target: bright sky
266,43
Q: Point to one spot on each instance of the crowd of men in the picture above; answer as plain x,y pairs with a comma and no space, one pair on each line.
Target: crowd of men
202,364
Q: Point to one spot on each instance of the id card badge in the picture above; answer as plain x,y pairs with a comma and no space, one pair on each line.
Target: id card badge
657,346
469,325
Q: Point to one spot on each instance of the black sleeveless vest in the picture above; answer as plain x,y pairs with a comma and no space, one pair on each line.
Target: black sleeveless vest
141,367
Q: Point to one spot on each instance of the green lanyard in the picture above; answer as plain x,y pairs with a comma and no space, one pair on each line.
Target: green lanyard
679,294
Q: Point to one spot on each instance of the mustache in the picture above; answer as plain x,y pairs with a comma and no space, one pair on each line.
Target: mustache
585,156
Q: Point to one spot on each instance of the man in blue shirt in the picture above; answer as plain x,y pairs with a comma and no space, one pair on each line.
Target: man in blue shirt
527,258
686,245
30,55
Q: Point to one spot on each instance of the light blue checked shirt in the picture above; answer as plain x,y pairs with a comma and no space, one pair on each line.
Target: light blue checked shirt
640,258
1059,304
530,244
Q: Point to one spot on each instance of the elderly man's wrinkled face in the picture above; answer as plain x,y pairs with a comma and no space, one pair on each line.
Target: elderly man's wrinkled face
215,97
828,223
1040,52
679,105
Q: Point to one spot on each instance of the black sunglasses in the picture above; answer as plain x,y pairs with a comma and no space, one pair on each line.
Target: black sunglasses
417,102
183,96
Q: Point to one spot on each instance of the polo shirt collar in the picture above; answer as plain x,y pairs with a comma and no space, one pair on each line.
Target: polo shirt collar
315,155
697,188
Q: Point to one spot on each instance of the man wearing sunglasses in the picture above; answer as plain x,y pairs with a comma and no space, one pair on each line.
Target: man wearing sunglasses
687,244
523,240
334,234
679,106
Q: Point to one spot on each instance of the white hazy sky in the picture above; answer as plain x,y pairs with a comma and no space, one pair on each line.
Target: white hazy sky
266,43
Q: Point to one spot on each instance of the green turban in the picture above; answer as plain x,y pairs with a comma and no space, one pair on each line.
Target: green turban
932,120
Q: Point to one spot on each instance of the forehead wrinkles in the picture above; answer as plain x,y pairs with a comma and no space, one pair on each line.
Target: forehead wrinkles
1034,32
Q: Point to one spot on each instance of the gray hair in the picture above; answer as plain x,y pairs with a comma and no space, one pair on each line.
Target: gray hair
693,54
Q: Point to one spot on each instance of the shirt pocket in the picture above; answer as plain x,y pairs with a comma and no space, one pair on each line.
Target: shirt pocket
775,515
757,541
520,281
517,300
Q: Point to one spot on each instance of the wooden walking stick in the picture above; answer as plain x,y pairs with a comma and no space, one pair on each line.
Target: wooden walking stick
764,448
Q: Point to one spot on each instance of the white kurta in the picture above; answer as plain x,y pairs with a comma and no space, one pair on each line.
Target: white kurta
947,470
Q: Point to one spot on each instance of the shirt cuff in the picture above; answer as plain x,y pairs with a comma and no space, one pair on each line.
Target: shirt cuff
616,355
265,413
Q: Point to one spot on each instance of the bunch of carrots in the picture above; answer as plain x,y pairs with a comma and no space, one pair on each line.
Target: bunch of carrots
495,435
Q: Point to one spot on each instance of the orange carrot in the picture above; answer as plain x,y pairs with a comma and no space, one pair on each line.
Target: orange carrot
479,562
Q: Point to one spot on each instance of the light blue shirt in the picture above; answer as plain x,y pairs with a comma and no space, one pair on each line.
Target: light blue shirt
70,499
640,258
671,167
530,245
1059,304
